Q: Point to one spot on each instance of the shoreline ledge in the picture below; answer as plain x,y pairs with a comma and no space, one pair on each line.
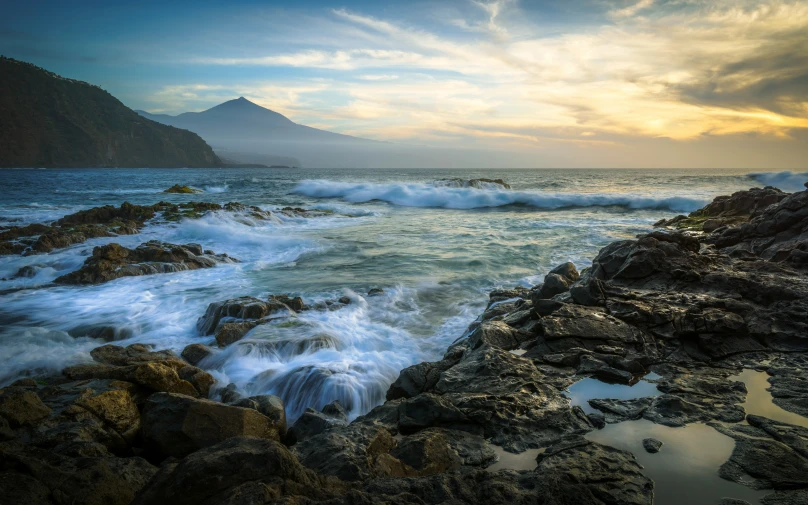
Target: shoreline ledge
694,303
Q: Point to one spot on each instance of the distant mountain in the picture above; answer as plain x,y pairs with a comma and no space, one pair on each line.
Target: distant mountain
240,126
240,118
50,121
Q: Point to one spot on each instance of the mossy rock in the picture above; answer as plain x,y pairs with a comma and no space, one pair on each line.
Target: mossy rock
176,188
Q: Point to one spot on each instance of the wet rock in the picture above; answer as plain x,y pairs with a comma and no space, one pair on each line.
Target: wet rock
497,334
20,407
177,425
773,454
244,467
113,261
597,368
588,472
616,411
651,445
194,353
554,284
312,423
417,379
799,497
375,292
176,188
272,407
157,371
242,309
28,474
426,453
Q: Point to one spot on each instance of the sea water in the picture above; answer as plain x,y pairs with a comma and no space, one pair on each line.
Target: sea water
436,249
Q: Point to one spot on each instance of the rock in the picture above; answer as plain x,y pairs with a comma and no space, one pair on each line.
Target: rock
774,455
176,188
313,423
113,261
244,309
242,467
651,445
177,425
497,334
554,284
417,379
567,270
426,453
272,407
21,407
117,409
375,291
194,353
87,480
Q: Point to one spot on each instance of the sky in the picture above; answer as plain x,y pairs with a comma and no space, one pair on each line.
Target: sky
589,83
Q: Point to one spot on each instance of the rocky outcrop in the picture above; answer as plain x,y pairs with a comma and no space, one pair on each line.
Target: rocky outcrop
113,261
737,208
128,219
680,305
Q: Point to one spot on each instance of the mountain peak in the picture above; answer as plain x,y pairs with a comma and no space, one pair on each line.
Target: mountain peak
241,109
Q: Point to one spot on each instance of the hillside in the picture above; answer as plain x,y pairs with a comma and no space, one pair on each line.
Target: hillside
50,121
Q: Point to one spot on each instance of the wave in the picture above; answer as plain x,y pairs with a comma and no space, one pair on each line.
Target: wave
216,189
428,195
786,181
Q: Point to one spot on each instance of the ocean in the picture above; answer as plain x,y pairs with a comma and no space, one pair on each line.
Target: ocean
436,248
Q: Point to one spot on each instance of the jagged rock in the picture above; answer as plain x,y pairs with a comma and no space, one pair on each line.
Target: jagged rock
177,425
113,261
651,445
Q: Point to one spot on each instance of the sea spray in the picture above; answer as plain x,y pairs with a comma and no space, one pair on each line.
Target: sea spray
786,181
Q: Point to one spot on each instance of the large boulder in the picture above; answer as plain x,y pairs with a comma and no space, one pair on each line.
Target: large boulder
177,425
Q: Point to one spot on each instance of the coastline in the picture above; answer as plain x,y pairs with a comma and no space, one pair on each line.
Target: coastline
693,308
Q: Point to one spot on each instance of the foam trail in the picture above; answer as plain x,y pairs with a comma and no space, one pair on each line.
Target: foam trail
428,195
786,181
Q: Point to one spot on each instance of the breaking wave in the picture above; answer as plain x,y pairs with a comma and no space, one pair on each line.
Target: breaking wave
428,195
786,181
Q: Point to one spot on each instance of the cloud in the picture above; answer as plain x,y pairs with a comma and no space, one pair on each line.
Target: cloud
683,70
631,10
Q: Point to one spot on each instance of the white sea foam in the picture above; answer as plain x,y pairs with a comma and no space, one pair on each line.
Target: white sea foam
216,189
428,195
351,355
786,181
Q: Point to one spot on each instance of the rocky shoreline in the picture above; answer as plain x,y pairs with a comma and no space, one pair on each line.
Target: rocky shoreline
694,302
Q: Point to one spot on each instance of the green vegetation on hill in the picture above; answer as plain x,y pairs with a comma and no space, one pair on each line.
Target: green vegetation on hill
49,121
